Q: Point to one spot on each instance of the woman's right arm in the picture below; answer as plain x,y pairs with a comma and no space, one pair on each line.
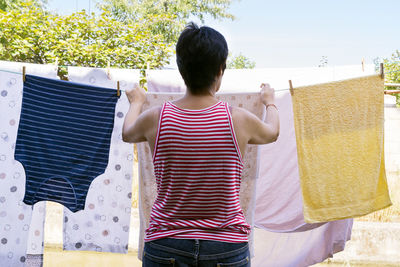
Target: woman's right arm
268,131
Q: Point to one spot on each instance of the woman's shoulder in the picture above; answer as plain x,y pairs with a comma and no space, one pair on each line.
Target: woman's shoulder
151,116
238,112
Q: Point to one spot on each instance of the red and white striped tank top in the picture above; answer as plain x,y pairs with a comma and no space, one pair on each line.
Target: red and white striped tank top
198,167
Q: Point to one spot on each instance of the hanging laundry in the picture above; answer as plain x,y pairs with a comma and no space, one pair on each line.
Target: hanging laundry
147,181
104,225
63,139
278,205
339,132
21,227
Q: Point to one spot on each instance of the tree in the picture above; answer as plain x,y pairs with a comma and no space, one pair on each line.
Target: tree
240,62
127,33
323,62
15,4
30,34
166,17
392,70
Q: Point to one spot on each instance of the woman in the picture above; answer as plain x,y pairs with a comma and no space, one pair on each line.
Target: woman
197,144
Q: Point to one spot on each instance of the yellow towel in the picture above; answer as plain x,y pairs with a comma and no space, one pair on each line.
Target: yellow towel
339,134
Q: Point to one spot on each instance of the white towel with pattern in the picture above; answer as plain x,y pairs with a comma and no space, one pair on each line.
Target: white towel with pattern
21,228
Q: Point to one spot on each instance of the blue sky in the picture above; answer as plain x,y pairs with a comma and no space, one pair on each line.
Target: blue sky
297,33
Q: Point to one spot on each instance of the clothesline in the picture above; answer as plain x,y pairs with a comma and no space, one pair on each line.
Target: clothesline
9,71
20,73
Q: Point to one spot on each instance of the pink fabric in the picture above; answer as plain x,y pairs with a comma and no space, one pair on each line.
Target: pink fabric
300,248
279,205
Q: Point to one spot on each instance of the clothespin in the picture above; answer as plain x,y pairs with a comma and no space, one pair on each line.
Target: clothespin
118,91
23,73
56,63
108,70
363,64
382,71
291,87
148,65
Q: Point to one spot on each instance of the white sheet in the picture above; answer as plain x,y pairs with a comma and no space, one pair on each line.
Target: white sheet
21,228
104,224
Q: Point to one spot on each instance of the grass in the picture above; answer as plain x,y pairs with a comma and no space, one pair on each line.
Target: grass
61,258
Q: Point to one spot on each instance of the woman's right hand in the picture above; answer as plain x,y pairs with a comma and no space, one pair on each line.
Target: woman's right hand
267,94
137,95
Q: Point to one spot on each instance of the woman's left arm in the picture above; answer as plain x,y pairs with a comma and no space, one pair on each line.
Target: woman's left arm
133,130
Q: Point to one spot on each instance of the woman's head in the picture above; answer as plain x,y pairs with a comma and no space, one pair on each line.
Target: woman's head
201,57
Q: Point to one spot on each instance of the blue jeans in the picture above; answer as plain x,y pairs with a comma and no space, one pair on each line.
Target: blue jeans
195,253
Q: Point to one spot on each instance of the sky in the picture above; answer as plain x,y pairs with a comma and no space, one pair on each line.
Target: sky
298,33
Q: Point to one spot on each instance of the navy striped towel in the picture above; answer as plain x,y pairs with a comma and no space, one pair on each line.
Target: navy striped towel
63,139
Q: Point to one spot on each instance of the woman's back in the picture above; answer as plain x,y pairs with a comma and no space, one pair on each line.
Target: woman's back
198,166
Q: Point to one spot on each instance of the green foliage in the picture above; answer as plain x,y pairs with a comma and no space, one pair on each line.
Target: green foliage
167,17
126,33
392,70
3,5
240,62
16,4
29,34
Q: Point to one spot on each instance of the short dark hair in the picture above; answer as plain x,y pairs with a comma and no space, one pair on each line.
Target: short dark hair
200,55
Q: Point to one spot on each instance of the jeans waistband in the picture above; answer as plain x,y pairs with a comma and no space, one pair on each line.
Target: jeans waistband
200,257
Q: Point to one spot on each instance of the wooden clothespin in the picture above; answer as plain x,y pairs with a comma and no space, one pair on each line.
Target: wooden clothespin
108,70
23,73
291,87
382,71
118,91
391,92
363,64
